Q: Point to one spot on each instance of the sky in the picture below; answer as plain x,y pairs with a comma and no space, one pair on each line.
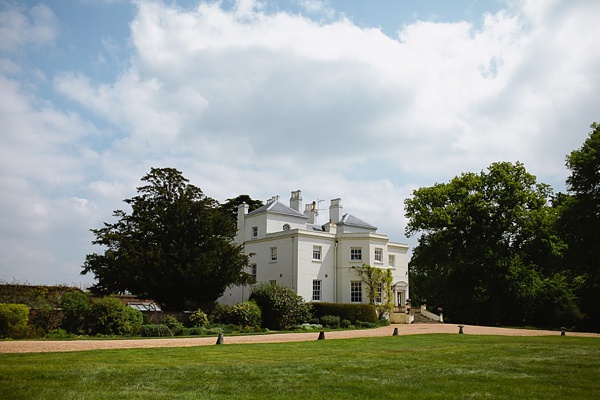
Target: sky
363,101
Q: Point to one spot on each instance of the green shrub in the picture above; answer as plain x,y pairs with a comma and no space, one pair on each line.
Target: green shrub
351,312
363,324
155,330
345,323
109,316
280,306
13,318
245,314
196,330
170,321
181,331
198,318
306,327
221,314
133,320
46,318
215,330
330,321
76,306
59,333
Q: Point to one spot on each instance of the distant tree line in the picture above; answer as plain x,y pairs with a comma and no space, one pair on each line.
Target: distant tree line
497,247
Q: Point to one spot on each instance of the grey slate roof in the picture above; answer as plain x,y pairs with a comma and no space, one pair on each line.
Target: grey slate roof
351,220
278,208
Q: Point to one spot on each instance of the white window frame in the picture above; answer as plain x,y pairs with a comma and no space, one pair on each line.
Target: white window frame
378,293
273,254
317,253
317,287
392,260
378,255
355,291
255,231
253,269
355,254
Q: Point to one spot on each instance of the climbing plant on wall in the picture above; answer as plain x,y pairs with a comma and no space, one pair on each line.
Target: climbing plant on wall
376,279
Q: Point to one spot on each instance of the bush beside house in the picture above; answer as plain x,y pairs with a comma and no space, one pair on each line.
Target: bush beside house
280,306
350,312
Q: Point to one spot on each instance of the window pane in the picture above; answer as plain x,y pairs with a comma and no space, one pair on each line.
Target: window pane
316,252
316,290
356,292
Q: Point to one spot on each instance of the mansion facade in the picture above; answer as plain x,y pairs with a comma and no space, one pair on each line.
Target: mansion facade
288,247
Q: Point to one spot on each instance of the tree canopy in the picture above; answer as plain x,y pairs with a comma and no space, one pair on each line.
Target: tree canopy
231,205
488,252
580,224
175,247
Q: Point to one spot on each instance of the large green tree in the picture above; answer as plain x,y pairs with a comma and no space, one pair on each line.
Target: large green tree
488,252
580,224
175,246
231,205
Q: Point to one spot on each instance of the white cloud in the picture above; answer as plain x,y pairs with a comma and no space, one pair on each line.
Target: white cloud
19,27
248,90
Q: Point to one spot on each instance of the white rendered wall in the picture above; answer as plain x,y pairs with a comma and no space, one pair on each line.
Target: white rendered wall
310,269
295,267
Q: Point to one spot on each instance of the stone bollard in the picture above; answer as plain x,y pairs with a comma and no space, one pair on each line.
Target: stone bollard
395,332
562,329
460,329
321,336
220,339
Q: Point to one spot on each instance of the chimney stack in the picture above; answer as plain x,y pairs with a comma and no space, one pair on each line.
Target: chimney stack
296,200
241,221
310,210
335,211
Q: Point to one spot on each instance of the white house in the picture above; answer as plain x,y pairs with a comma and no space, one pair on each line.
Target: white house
290,248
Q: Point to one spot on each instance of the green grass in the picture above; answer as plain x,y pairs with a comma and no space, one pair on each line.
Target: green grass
418,366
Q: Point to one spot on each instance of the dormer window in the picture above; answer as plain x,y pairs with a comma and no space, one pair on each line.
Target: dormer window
255,231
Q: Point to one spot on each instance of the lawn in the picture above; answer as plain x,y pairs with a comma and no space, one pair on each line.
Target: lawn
416,366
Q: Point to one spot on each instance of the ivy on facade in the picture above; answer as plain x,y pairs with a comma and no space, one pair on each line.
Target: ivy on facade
379,286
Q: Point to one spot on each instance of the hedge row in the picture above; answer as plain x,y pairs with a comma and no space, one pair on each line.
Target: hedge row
351,312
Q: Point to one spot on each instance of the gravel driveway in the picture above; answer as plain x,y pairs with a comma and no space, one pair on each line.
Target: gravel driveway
38,346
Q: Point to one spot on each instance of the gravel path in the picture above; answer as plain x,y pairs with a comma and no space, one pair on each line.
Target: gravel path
39,346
